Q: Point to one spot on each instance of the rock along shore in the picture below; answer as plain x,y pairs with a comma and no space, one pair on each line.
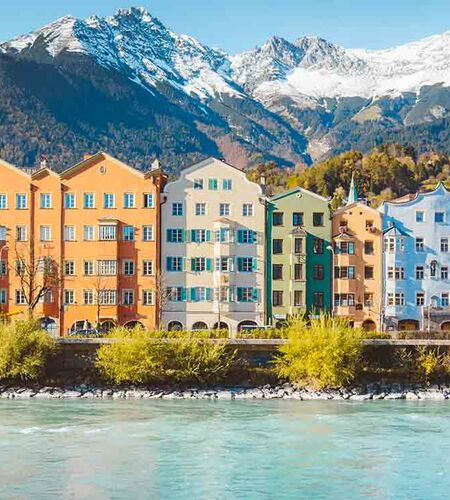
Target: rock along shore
286,391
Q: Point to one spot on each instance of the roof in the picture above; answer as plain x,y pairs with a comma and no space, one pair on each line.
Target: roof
345,208
15,169
298,190
410,198
394,231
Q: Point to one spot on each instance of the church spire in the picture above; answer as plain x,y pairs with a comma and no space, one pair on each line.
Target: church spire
352,192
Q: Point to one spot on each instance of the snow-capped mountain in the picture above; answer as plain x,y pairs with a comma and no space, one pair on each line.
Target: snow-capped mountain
180,99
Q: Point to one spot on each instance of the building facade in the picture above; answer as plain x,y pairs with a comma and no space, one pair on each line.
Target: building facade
357,252
97,224
416,261
213,252
299,262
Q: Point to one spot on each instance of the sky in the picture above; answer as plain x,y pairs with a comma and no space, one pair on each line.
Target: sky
238,25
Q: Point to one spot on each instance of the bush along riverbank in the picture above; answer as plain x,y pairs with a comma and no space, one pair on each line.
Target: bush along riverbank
321,359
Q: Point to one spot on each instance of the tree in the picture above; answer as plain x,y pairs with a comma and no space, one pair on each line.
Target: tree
162,296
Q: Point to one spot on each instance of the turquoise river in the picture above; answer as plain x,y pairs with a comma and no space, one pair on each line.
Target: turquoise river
224,449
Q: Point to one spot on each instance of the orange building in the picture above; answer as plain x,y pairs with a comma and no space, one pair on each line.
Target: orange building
97,226
357,253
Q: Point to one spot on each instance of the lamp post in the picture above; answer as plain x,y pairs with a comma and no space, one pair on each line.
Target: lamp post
331,249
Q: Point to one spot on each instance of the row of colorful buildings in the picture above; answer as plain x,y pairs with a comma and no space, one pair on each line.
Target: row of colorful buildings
211,250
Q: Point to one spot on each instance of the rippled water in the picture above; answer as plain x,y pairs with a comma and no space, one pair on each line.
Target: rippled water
239,449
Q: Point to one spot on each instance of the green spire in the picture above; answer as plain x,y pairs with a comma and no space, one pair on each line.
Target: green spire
352,192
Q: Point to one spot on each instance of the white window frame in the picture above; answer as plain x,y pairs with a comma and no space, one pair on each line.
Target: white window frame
88,233
3,201
45,233
147,267
148,297
128,267
129,200
248,209
69,233
148,233
88,200
109,200
46,200
127,294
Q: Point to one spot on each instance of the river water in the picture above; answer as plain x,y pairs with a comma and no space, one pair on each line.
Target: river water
224,449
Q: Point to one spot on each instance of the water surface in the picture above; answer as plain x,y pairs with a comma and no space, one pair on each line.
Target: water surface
224,449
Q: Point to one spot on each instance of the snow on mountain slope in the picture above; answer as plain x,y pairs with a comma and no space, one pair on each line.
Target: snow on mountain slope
139,45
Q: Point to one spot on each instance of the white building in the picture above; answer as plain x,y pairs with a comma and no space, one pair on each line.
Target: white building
416,261
212,249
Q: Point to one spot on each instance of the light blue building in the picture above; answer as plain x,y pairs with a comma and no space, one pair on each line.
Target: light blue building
416,261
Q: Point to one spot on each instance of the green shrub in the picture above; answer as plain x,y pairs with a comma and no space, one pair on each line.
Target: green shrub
24,350
323,352
141,357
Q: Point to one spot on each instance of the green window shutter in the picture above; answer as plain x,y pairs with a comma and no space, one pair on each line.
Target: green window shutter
239,294
209,264
193,294
255,295
255,264
169,235
184,294
209,294
169,263
239,264
193,238
240,235
192,264
208,235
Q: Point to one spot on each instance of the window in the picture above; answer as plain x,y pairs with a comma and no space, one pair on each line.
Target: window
368,299
222,235
149,200
297,219
344,299
223,264
277,271
175,235
89,200
247,209
88,297
298,271
88,267
318,246
246,236
21,201
128,267
368,272
69,233
318,272
444,299
277,246
247,294
107,267
368,247
200,209
298,246
420,216
277,298
127,297
444,245
128,233
69,297
318,299
200,235
224,209
344,272
212,184
69,200
46,200
3,296
277,218
107,297
177,294
444,273
298,298
147,297
69,268
147,233
246,264
174,264
147,267
369,225
21,266
20,297
397,273
200,294
177,209
3,201
227,184
420,247
318,218
109,200
420,299
21,233
3,267
107,232
433,269
198,264
419,272
129,200
198,184
4,232
88,233
45,233
222,294
439,217
346,247
396,299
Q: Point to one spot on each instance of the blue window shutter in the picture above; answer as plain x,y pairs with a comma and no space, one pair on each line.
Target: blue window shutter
239,294
209,264
240,235
255,264
255,295
193,235
184,294
239,264
193,294
169,263
192,264
208,294
169,235
208,235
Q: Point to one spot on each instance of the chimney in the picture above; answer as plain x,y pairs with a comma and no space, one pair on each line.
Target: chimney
43,161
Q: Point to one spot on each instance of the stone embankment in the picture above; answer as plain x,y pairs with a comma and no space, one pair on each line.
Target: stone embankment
286,391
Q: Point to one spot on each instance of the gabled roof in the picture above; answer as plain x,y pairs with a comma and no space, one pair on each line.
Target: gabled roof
15,169
344,235
410,199
298,190
43,171
394,231
345,208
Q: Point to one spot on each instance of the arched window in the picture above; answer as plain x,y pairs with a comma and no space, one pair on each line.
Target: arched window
174,326
49,324
133,324
199,325
247,325
80,326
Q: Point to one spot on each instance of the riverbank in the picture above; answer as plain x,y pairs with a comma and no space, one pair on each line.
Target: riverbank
368,392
